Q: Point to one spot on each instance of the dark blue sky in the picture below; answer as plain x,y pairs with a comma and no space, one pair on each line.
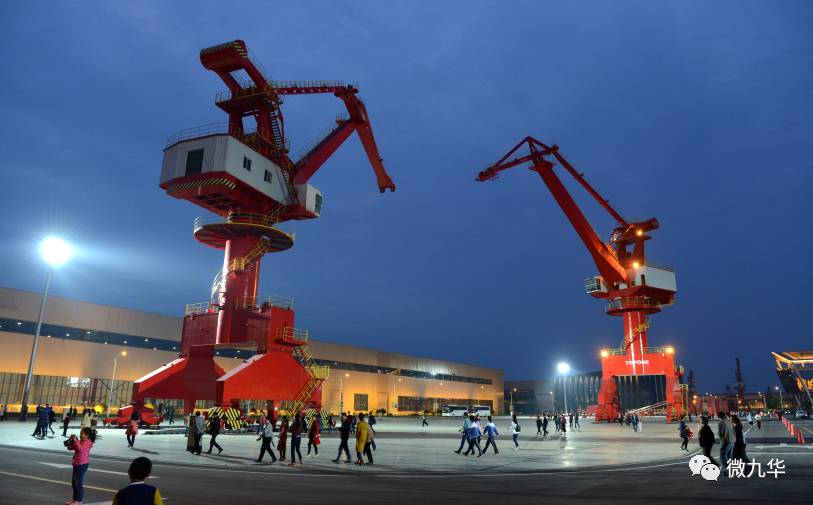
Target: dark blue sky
698,113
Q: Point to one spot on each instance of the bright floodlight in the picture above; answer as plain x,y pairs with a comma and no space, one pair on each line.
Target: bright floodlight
55,251
563,367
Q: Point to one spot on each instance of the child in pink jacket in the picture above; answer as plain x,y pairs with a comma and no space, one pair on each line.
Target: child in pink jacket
81,455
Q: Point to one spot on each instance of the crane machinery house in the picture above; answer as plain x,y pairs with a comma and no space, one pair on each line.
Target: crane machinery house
220,168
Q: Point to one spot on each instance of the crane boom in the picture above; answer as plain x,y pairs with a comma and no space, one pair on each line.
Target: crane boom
603,255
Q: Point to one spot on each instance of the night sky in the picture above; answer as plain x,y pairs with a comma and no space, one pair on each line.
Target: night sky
697,113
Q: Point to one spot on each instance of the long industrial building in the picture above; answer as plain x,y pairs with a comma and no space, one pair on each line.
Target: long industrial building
80,341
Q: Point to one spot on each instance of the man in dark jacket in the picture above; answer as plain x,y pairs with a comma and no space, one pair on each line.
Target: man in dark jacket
42,423
706,438
344,433
214,431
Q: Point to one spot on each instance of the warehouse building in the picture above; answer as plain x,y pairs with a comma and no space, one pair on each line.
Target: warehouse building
80,342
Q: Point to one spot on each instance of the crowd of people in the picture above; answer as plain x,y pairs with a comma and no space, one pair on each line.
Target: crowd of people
273,438
731,434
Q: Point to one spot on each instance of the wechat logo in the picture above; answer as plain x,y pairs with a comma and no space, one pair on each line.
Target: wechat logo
702,465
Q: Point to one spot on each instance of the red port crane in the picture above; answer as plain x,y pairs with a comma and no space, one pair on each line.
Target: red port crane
633,288
245,175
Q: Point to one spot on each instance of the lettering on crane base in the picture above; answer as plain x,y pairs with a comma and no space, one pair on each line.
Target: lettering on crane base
637,362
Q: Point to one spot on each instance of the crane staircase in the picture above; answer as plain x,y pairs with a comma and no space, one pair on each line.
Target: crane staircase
318,375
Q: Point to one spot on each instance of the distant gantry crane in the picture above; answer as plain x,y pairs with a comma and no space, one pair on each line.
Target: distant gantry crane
633,288
246,177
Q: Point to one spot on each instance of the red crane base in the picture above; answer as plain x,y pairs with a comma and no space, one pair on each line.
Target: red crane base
648,363
272,376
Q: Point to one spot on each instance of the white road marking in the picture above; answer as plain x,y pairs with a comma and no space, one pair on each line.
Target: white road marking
12,474
61,465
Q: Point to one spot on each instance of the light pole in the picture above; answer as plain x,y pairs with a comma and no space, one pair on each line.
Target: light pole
55,252
781,402
511,395
113,380
552,402
341,393
563,369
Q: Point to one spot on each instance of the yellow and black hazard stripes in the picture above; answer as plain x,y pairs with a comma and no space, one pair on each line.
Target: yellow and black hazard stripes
216,181
231,416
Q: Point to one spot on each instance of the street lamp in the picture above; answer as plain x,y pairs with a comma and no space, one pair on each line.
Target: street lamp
341,392
563,369
781,402
55,252
113,379
511,394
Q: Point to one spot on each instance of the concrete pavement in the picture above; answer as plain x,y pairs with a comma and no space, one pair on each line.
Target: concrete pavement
601,464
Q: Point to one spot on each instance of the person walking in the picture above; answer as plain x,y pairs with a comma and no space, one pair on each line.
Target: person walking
576,420
515,429
66,420
131,432
200,428
473,434
313,436
634,422
297,426
261,423
424,423
36,433
464,430
705,438
344,436
4,412
214,431
562,426
758,419
371,421
363,440
268,439
282,444
544,425
85,423
51,418
571,420
538,426
739,439
725,430
81,459
190,432
491,433
683,431
330,423
138,492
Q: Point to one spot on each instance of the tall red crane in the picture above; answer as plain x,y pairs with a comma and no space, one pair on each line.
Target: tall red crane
633,288
242,172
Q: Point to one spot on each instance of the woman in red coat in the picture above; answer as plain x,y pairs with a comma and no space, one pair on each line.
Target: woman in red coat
132,431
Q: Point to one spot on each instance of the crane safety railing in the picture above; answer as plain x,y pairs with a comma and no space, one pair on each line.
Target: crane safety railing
632,302
319,371
320,137
238,217
196,309
308,84
652,264
206,130
291,334
647,350
257,302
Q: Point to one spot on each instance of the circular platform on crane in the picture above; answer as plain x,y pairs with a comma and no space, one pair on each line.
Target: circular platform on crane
216,234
